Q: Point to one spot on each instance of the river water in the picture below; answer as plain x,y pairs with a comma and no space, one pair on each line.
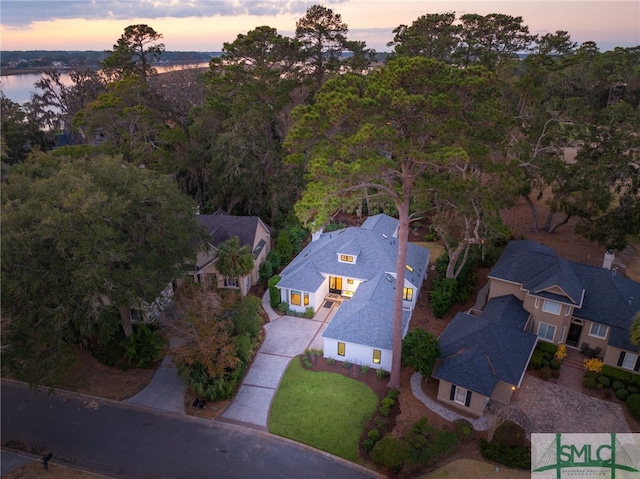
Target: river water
18,88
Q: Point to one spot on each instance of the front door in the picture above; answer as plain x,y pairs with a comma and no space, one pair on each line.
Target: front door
335,284
574,334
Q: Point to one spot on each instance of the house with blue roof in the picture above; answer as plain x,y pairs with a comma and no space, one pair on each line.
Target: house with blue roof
353,270
535,295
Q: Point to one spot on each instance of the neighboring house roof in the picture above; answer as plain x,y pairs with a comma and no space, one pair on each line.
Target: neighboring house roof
607,297
376,253
539,270
479,351
367,318
222,227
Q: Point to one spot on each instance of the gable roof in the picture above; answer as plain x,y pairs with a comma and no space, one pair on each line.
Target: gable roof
376,254
607,298
367,318
221,227
383,224
540,271
479,351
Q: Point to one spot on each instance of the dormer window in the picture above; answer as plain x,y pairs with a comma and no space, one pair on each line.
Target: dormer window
346,258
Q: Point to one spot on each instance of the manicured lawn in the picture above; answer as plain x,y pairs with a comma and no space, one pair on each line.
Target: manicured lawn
324,410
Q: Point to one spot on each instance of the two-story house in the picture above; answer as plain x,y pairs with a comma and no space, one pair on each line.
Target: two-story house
550,299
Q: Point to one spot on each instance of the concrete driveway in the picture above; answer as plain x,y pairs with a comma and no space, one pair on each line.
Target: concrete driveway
286,337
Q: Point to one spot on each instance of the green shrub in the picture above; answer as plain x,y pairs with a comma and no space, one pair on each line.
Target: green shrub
373,436
393,394
462,428
591,374
633,405
516,457
390,452
547,356
545,373
546,347
588,383
143,347
605,381
622,394
380,373
599,386
420,350
510,434
545,363
346,365
633,389
617,374
307,363
536,359
265,271
364,369
274,293
555,364
385,406
283,307
443,296
244,347
617,385
555,373
309,312
330,361
428,444
246,317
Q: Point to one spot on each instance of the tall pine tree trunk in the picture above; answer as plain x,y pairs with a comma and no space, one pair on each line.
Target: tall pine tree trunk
534,212
125,318
403,238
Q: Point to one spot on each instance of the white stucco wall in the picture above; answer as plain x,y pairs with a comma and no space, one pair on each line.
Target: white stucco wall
357,354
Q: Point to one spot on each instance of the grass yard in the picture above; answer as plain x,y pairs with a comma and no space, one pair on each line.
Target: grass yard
323,410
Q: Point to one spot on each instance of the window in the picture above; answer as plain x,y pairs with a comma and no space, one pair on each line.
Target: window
629,360
230,282
546,331
306,299
409,268
460,395
346,258
350,281
341,348
551,307
407,294
296,298
598,330
377,354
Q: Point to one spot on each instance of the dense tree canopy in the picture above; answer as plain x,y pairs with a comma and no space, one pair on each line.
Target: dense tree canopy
83,241
134,53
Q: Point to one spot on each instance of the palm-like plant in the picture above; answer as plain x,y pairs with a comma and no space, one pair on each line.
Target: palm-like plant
234,261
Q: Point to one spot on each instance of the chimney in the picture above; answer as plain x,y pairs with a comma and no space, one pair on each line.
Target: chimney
316,234
609,256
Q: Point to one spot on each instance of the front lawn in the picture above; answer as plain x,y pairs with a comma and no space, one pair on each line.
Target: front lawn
323,410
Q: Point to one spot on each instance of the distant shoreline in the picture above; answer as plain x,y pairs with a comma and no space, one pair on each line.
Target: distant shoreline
27,71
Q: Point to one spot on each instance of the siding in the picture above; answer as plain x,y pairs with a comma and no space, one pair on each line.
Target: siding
502,392
357,354
476,405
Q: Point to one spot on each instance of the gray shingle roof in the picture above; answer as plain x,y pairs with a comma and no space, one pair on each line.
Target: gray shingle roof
367,318
477,352
376,254
221,227
608,298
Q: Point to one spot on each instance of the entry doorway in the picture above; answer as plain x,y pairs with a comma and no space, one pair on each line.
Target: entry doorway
335,284
575,330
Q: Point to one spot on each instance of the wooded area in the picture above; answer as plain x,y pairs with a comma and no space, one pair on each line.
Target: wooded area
466,115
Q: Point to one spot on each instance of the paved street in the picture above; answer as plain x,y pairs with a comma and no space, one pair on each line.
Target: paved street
127,441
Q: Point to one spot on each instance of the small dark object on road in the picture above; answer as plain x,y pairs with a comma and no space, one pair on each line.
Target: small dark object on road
46,459
196,402
202,403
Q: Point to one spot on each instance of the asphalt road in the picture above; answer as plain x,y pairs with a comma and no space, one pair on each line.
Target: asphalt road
126,441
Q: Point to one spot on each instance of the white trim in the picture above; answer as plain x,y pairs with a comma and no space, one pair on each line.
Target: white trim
593,335
463,391
549,302
540,323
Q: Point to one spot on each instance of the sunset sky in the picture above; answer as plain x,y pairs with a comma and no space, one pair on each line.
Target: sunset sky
203,25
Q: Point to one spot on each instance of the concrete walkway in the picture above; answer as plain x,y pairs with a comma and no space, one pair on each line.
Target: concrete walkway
285,338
